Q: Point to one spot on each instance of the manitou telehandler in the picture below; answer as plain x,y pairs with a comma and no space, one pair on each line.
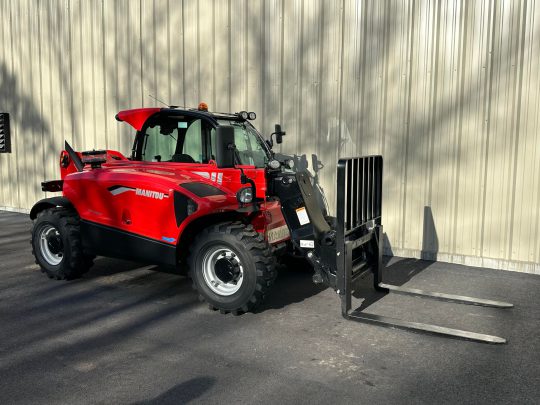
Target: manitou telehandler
204,190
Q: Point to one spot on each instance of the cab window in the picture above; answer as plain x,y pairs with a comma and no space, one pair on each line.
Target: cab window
175,139
249,145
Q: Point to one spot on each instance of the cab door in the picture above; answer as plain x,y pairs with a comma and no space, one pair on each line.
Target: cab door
165,144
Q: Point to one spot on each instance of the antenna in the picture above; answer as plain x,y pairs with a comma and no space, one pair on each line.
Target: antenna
162,102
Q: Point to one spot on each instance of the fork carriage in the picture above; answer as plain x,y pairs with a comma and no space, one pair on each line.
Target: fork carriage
343,256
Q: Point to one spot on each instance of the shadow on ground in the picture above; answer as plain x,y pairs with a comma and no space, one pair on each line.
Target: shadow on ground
294,284
397,272
182,393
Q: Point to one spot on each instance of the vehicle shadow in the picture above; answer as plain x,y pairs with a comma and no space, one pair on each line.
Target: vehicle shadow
294,282
106,266
293,285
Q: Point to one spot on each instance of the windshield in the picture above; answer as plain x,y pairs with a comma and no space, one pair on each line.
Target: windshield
250,146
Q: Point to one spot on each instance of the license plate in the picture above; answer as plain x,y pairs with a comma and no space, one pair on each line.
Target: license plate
277,234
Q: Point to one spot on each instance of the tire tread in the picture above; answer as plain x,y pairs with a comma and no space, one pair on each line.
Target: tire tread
262,256
79,262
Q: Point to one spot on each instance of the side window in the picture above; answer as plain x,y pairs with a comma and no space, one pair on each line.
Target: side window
193,145
213,144
159,147
248,147
174,139
240,141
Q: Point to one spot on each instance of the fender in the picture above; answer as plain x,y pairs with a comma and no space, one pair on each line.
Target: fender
50,202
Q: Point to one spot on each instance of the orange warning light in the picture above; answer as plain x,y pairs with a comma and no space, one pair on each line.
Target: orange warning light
203,106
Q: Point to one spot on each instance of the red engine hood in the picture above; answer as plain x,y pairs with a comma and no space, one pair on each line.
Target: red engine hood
178,173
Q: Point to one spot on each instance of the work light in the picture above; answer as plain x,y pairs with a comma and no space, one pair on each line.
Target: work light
245,195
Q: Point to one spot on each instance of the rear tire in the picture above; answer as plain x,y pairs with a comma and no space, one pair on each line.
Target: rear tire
232,267
56,244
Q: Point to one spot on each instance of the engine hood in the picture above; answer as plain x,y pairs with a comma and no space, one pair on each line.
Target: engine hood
175,175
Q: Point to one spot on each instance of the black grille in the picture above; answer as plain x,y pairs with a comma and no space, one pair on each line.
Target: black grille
202,189
5,139
359,191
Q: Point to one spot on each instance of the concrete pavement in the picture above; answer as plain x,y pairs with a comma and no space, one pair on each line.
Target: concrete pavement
127,334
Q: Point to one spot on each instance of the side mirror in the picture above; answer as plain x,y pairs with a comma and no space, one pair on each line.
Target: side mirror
225,146
279,134
5,134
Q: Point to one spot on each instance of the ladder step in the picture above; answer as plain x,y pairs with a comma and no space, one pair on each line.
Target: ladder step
424,328
446,297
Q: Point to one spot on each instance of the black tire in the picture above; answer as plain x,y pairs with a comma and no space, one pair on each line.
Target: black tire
67,249
254,256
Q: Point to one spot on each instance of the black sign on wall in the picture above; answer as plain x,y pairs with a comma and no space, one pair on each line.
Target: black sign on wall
5,134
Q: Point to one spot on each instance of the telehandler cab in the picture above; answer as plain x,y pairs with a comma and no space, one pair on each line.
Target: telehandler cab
204,190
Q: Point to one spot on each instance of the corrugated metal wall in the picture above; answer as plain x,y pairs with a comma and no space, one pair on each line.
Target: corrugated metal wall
447,91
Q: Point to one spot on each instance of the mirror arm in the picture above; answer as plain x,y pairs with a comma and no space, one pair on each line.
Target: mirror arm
243,178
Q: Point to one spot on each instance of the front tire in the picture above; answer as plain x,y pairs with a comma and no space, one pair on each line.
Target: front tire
232,267
56,244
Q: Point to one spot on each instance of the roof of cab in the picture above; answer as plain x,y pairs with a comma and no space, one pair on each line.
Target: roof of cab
138,116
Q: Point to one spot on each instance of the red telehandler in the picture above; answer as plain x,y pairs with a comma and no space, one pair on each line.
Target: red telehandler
204,190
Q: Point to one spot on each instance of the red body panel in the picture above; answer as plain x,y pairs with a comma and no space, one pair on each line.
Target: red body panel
154,216
112,156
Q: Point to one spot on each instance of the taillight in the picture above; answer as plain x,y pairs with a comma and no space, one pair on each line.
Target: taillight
64,160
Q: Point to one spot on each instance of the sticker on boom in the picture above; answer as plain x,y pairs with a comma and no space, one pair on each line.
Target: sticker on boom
304,243
277,234
302,215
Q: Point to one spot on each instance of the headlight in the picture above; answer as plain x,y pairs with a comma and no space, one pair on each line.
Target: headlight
252,115
274,164
289,163
245,195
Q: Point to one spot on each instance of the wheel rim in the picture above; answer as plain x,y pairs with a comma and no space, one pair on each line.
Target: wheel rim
222,270
50,244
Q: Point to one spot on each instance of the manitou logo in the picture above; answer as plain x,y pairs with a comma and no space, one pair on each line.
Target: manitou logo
151,194
117,190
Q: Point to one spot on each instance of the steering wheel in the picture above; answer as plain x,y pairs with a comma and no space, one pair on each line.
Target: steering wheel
182,158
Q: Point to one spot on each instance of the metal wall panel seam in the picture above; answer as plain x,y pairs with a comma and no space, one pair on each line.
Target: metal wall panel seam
3,161
521,40
15,188
462,63
489,86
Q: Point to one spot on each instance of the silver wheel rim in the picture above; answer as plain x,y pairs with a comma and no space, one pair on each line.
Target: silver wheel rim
47,232
216,257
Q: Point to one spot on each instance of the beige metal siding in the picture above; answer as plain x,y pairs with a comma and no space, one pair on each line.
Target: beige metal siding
447,91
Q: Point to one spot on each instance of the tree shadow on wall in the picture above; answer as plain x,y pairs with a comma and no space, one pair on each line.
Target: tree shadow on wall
28,131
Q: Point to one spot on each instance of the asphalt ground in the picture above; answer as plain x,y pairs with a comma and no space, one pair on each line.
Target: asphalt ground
125,333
